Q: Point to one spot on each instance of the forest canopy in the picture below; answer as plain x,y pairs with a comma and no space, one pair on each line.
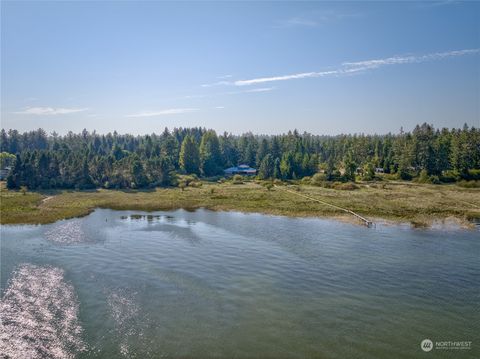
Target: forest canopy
92,160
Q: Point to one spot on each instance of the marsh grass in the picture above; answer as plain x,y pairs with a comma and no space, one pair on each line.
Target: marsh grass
398,201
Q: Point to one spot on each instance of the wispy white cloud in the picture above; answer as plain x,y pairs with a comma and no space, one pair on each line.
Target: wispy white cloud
300,21
430,4
219,107
171,111
356,67
49,111
224,77
398,60
218,83
301,75
261,89
316,18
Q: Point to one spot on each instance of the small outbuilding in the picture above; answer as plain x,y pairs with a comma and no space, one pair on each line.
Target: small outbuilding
240,170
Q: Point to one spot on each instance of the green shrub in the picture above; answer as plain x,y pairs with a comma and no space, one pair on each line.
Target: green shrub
368,172
449,177
237,179
187,179
306,180
390,176
435,180
404,174
195,184
473,174
423,177
318,179
469,184
213,178
349,186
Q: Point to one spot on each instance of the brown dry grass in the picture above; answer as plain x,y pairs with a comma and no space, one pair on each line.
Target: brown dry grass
397,201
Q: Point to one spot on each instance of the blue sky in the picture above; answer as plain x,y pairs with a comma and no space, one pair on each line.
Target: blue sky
265,67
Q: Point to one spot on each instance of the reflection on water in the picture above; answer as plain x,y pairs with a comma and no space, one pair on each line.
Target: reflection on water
66,232
222,285
39,313
124,311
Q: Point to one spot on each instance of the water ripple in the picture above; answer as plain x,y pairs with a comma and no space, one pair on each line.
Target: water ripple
39,315
66,232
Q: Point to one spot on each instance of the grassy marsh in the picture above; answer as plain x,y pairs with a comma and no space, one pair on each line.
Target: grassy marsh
420,204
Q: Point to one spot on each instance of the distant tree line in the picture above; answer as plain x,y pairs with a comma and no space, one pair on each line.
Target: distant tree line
90,160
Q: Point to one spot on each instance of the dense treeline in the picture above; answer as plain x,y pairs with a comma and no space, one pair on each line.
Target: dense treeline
89,160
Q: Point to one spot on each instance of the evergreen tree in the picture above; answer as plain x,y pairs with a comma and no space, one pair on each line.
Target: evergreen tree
88,159
350,167
464,151
330,169
169,147
14,178
368,171
190,156
287,166
210,157
262,151
267,167
229,150
138,174
277,173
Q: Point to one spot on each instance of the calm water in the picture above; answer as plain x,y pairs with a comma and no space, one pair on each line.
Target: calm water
230,285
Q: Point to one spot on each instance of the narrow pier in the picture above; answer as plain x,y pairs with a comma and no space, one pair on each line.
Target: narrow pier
365,221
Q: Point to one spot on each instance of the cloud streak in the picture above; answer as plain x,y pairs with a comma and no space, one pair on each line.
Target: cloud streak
398,60
218,83
347,68
261,89
171,111
255,90
302,75
46,111
300,21
316,19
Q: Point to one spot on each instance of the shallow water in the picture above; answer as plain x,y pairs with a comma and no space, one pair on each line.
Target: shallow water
230,285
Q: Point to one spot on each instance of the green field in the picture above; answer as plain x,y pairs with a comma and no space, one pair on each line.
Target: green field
419,204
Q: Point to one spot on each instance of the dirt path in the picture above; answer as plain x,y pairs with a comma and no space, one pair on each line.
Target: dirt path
46,199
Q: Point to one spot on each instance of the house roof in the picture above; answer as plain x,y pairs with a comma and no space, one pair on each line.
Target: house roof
241,168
